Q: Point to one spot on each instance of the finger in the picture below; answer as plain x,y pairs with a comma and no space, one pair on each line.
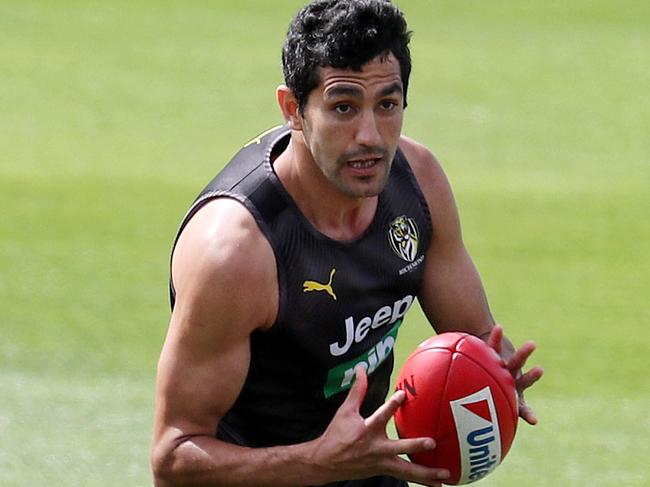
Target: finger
529,378
358,390
495,339
527,414
420,474
408,446
384,412
518,359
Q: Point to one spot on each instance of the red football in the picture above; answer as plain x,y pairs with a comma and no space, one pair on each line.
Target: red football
458,392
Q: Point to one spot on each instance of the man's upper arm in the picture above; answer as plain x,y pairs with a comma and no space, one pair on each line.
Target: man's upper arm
224,275
452,294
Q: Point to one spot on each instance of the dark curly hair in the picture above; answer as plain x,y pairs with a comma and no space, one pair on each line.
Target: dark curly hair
343,34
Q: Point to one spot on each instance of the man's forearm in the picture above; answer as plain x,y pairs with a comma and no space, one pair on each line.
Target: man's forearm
206,461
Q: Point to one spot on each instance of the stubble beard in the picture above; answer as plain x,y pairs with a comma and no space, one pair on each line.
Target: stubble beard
360,186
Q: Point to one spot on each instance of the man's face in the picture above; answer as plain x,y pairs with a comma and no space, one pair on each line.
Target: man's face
352,123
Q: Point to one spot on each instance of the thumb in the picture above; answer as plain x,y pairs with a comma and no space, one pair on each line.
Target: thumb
358,390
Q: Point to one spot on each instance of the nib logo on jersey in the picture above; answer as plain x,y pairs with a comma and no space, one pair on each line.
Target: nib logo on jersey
342,376
479,438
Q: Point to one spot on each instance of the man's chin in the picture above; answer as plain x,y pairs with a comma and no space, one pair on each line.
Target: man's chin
364,189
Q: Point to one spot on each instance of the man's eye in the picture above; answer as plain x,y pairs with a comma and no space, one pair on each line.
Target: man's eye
343,109
388,105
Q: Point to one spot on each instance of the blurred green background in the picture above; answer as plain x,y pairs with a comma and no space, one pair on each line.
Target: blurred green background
113,115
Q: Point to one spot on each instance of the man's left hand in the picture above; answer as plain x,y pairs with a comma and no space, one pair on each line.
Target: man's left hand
515,359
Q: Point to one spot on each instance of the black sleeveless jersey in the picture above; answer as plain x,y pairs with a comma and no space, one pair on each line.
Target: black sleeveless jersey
341,303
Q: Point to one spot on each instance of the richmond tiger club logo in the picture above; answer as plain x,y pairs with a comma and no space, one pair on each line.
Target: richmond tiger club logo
404,237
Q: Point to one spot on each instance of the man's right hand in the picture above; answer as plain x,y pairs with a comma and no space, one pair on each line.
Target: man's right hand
353,447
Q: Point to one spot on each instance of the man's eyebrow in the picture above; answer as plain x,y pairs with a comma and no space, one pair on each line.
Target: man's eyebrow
391,89
349,90
343,90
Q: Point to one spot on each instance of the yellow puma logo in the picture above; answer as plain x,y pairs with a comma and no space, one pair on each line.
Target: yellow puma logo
317,286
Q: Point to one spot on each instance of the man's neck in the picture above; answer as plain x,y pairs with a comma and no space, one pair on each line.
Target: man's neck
331,212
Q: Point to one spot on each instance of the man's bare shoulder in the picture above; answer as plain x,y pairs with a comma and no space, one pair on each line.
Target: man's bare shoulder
222,258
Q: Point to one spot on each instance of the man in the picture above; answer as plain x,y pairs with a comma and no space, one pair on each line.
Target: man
294,268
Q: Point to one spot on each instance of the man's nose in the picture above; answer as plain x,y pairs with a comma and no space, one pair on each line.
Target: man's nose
368,131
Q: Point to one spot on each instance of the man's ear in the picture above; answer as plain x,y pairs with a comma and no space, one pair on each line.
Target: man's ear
289,106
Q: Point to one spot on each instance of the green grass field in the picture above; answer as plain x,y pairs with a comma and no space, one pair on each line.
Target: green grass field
114,114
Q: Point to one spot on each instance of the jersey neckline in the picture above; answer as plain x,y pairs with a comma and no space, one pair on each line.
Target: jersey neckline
283,133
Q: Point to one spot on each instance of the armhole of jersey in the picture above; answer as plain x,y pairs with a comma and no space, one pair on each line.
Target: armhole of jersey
269,140
261,224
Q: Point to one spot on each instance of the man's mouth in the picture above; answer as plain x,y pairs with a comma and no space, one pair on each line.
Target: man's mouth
365,163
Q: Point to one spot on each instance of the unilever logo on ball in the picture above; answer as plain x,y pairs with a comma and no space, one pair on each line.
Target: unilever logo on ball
479,438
